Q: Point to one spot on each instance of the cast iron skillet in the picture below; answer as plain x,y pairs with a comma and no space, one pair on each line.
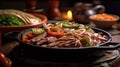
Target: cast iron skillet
65,54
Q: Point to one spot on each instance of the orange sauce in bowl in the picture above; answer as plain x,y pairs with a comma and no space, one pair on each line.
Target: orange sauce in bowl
104,17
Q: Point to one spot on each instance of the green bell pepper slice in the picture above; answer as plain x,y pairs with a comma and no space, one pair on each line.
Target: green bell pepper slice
70,26
38,30
87,41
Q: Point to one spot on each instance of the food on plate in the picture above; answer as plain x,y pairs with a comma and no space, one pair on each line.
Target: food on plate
104,17
63,34
11,17
9,20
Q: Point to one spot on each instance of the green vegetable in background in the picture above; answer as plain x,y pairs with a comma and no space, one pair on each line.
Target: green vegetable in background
9,20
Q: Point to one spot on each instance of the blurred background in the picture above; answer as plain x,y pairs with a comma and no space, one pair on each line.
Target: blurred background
110,5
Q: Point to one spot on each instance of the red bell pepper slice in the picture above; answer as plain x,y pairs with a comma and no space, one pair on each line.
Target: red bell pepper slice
55,31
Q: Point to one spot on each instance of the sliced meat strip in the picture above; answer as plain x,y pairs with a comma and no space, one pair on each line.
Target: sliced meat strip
72,44
55,43
52,44
68,43
41,41
67,38
61,44
44,45
51,39
39,37
78,43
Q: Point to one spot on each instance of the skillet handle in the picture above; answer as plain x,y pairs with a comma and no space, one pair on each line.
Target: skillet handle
12,35
110,45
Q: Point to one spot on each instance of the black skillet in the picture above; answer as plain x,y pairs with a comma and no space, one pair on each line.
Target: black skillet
65,54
